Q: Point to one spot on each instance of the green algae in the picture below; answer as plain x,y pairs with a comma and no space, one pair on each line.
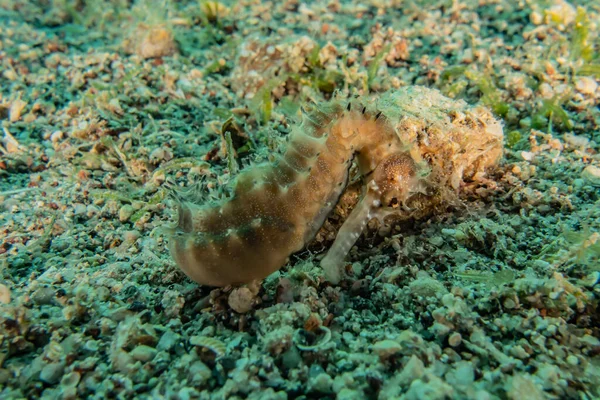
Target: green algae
375,63
492,96
551,111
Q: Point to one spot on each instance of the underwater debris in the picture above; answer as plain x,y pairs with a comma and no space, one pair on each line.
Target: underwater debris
306,340
206,343
414,149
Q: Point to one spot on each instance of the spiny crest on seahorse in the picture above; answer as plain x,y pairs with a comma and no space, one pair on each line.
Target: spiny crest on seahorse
412,147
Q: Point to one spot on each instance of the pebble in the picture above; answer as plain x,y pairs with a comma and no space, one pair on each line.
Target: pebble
291,358
386,348
43,295
350,394
413,370
52,373
143,353
79,209
56,136
70,380
426,286
464,374
577,141
455,339
241,300
527,155
591,173
509,303
586,85
199,373
168,340
125,213
131,236
322,383
536,18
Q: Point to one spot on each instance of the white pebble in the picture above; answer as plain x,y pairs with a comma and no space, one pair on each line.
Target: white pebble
591,173
586,85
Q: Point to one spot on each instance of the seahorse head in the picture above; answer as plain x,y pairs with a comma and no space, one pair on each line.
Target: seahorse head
396,178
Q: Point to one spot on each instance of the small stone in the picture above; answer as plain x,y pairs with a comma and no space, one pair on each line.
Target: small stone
527,155
160,154
143,353
463,374
241,300
536,18
91,346
523,387
291,358
591,173
322,383
586,85
56,136
120,314
121,361
413,370
590,340
509,303
69,393
572,360
199,373
349,394
52,373
130,237
577,141
386,349
426,286
455,339
125,213
10,74
519,352
168,340
437,241
16,108
433,388
70,380
79,209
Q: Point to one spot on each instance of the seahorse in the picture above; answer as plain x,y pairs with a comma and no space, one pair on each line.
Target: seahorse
411,146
